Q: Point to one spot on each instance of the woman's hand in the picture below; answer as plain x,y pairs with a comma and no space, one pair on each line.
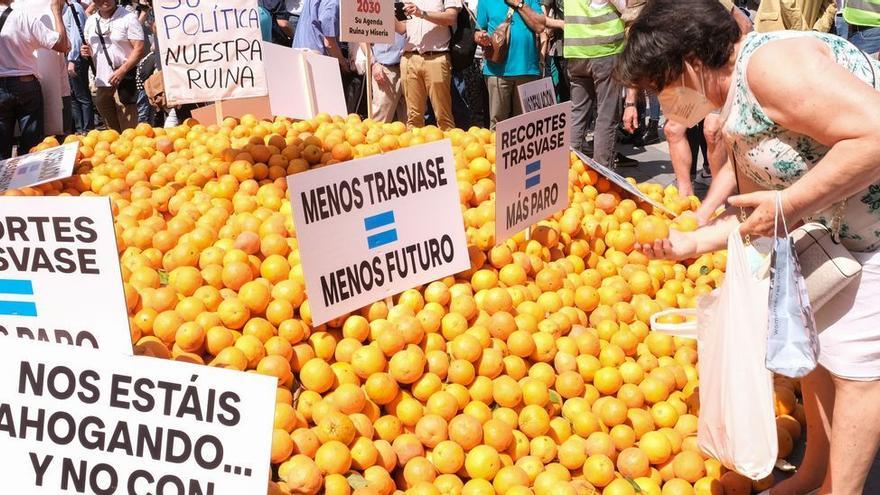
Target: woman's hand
678,246
762,221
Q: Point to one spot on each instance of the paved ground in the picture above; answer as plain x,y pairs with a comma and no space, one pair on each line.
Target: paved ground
654,166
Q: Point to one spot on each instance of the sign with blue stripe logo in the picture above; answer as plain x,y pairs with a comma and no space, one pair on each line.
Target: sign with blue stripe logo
531,168
60,279
374,227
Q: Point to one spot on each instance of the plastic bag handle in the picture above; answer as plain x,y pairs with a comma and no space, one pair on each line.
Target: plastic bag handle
688,329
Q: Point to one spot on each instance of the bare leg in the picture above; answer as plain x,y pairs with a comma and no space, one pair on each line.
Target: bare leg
817,389
680,156
855,435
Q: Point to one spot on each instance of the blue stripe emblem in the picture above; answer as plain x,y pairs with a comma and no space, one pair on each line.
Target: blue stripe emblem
15,308
378,221
533,174
18,288
9,286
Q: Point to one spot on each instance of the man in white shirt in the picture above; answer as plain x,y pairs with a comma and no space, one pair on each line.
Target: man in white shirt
21,97
115,41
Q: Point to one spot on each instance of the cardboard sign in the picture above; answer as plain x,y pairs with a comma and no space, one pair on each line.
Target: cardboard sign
537,94
303,84
621,182
38,168
210,50
59,273
376,226
367,21
75,421
531,168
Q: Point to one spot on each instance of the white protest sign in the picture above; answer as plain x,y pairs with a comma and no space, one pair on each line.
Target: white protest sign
376,226
38,168
59,273
366,21
302,83
621,182
210,50
531,168
83,421
537,94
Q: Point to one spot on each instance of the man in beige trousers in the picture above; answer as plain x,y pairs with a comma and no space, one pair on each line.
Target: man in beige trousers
425,68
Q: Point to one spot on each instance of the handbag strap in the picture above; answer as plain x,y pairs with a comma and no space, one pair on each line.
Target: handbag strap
103,43
4,17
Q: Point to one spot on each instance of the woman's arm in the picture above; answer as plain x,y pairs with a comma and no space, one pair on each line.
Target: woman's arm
803,89
685,245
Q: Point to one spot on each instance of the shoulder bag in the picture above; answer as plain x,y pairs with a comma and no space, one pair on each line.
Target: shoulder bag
500,41
126,90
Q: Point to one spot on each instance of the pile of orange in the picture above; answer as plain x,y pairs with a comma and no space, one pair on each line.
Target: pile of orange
534,372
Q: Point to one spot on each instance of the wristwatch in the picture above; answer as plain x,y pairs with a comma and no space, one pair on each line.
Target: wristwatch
520,5
628,104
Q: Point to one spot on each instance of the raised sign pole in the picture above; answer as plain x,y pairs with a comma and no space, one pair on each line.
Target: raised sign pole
367,22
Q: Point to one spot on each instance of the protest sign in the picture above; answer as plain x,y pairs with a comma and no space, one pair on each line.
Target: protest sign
621,182
376,226
38,168
303,84
59,273
537,94
367,21
531,168
83,421
210,50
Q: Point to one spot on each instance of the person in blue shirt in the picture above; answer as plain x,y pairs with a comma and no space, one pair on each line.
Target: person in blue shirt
265,24
318,30
388,104
521,64
81,108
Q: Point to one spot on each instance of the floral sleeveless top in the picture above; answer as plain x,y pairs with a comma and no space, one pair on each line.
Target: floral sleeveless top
774,157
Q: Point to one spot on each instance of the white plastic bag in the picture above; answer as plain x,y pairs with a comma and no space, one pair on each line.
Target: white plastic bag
792,339
737,423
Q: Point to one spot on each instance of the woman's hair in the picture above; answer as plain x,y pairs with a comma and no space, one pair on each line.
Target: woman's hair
667,33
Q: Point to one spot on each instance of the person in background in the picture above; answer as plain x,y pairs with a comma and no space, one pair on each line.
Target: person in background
294,9
593,36
265,24
470,97
144,9
21,97
803,15
863,18
802,119
425,67
82,111
388,104
116,50
521,65
282,32
552,40
318,31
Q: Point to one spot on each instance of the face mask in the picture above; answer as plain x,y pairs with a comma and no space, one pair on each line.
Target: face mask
684,105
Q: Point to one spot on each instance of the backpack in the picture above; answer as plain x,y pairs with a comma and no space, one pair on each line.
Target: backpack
462,46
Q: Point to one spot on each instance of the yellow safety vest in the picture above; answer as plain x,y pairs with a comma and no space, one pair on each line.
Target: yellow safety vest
592,32
862,12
